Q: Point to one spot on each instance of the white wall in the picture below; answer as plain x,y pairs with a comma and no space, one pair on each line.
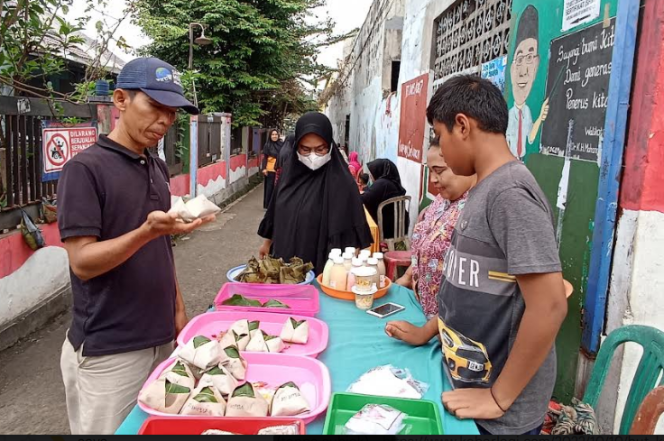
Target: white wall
636,295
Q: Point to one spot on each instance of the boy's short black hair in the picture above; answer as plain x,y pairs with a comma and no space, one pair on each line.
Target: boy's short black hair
475,97
364,178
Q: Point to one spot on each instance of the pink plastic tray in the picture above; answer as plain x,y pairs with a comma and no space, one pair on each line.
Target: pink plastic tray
310,375
213,323
302,299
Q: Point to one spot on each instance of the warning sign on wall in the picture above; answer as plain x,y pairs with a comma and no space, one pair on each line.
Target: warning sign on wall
414,100
61,143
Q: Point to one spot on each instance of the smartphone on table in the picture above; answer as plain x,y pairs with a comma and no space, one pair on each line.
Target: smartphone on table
385,310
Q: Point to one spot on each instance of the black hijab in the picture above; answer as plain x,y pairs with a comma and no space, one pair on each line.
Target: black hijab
387,185
386,169
315,211
272,148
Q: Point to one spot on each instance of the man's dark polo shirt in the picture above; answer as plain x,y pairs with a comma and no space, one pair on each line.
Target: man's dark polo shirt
107,191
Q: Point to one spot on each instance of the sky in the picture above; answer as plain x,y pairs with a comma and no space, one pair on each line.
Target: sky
339,10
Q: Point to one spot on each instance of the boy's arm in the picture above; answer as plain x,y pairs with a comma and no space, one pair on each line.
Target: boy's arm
411,334
546,308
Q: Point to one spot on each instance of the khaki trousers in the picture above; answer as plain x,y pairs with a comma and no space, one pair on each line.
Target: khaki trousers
102,391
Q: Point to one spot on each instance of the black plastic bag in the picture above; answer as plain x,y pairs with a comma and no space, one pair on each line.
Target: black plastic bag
31,234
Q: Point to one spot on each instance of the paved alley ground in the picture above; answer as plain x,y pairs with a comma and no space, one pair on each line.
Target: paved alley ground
32,399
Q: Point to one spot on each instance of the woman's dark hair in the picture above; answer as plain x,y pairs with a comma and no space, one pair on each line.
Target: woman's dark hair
475,97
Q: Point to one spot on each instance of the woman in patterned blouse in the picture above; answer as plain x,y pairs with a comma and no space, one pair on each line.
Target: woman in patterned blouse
433,233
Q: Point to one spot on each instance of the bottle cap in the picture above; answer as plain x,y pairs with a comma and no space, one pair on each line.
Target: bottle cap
372,261
338,260
336,251
347,256
351,250
357,261
365,253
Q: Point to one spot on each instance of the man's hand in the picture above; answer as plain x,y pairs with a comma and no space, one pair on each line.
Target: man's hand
545,110
472,403
407,333
164,224
181,321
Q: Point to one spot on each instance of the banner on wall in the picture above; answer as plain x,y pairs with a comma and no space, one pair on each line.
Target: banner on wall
414,100
62,142
494,71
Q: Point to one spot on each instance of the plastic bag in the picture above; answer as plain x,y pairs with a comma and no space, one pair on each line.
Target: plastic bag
376,419
31,234
49,211
388,381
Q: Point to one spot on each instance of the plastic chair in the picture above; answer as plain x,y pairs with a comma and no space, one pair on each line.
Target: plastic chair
649,413
395,259
645,379
400,206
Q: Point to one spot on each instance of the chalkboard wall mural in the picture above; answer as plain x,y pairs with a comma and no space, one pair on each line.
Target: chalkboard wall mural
557,105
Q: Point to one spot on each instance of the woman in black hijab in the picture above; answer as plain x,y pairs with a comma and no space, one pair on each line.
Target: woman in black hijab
386,185
270,154
316,206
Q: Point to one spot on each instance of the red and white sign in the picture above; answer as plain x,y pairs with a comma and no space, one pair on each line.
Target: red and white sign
414,99
60,144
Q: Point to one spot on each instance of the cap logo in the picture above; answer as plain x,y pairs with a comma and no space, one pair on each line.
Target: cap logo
163,75
176,78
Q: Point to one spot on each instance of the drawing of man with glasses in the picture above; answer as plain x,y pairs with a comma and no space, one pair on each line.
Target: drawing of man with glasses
523,72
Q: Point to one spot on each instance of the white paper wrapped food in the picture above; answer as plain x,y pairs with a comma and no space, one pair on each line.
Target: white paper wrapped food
289,401
216,432
196,208
221,379
245,402
274,344
234,363
205,401
180,373
295,332
291,429
376,419
254,328
257,343
232,338
164,396
201,352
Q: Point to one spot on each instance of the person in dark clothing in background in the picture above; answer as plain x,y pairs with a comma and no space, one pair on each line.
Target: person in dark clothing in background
270,154
284,154
316,206
386,185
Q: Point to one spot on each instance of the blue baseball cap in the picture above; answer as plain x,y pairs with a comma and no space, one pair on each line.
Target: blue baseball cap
158,80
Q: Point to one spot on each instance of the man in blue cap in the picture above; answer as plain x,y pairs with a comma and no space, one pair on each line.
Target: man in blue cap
113,201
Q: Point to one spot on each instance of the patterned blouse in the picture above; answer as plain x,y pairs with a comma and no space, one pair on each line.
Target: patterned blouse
431,240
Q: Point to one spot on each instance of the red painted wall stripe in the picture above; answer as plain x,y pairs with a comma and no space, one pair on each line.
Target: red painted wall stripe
642,186
14,251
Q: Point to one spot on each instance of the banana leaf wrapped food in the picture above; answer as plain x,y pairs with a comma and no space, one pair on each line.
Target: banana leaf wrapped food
201,352
295,331
221,379
205,401
275,271
289,401
164,396
245,402
262,342
234,363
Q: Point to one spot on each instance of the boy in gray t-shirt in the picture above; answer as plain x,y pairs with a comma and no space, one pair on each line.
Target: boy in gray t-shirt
502,299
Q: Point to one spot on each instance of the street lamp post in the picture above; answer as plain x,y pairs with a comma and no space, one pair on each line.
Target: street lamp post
193,144
201,41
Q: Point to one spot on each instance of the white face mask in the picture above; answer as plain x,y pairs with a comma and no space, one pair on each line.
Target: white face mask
313,161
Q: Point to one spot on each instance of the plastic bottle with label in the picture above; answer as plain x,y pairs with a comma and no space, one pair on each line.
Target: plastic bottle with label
373,263
328,266
382,270
348,261
338,274
357,264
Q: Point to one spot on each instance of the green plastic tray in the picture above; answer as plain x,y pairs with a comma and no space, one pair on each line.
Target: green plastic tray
423,416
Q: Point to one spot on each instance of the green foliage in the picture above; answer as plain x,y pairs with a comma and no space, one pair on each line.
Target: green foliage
261,52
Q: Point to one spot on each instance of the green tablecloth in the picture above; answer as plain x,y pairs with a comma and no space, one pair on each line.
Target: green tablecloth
357,344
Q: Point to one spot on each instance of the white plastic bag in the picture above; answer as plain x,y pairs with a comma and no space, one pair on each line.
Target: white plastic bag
376,419
197,208
388,381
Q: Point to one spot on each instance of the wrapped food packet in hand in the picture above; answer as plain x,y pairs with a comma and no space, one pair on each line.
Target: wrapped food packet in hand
289,401
291,429
201,352
295,332
245,402
221,379
234,363
197,208
205,401
164,396
376,419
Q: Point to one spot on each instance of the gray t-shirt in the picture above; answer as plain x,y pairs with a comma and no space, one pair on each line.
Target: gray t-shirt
504,230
